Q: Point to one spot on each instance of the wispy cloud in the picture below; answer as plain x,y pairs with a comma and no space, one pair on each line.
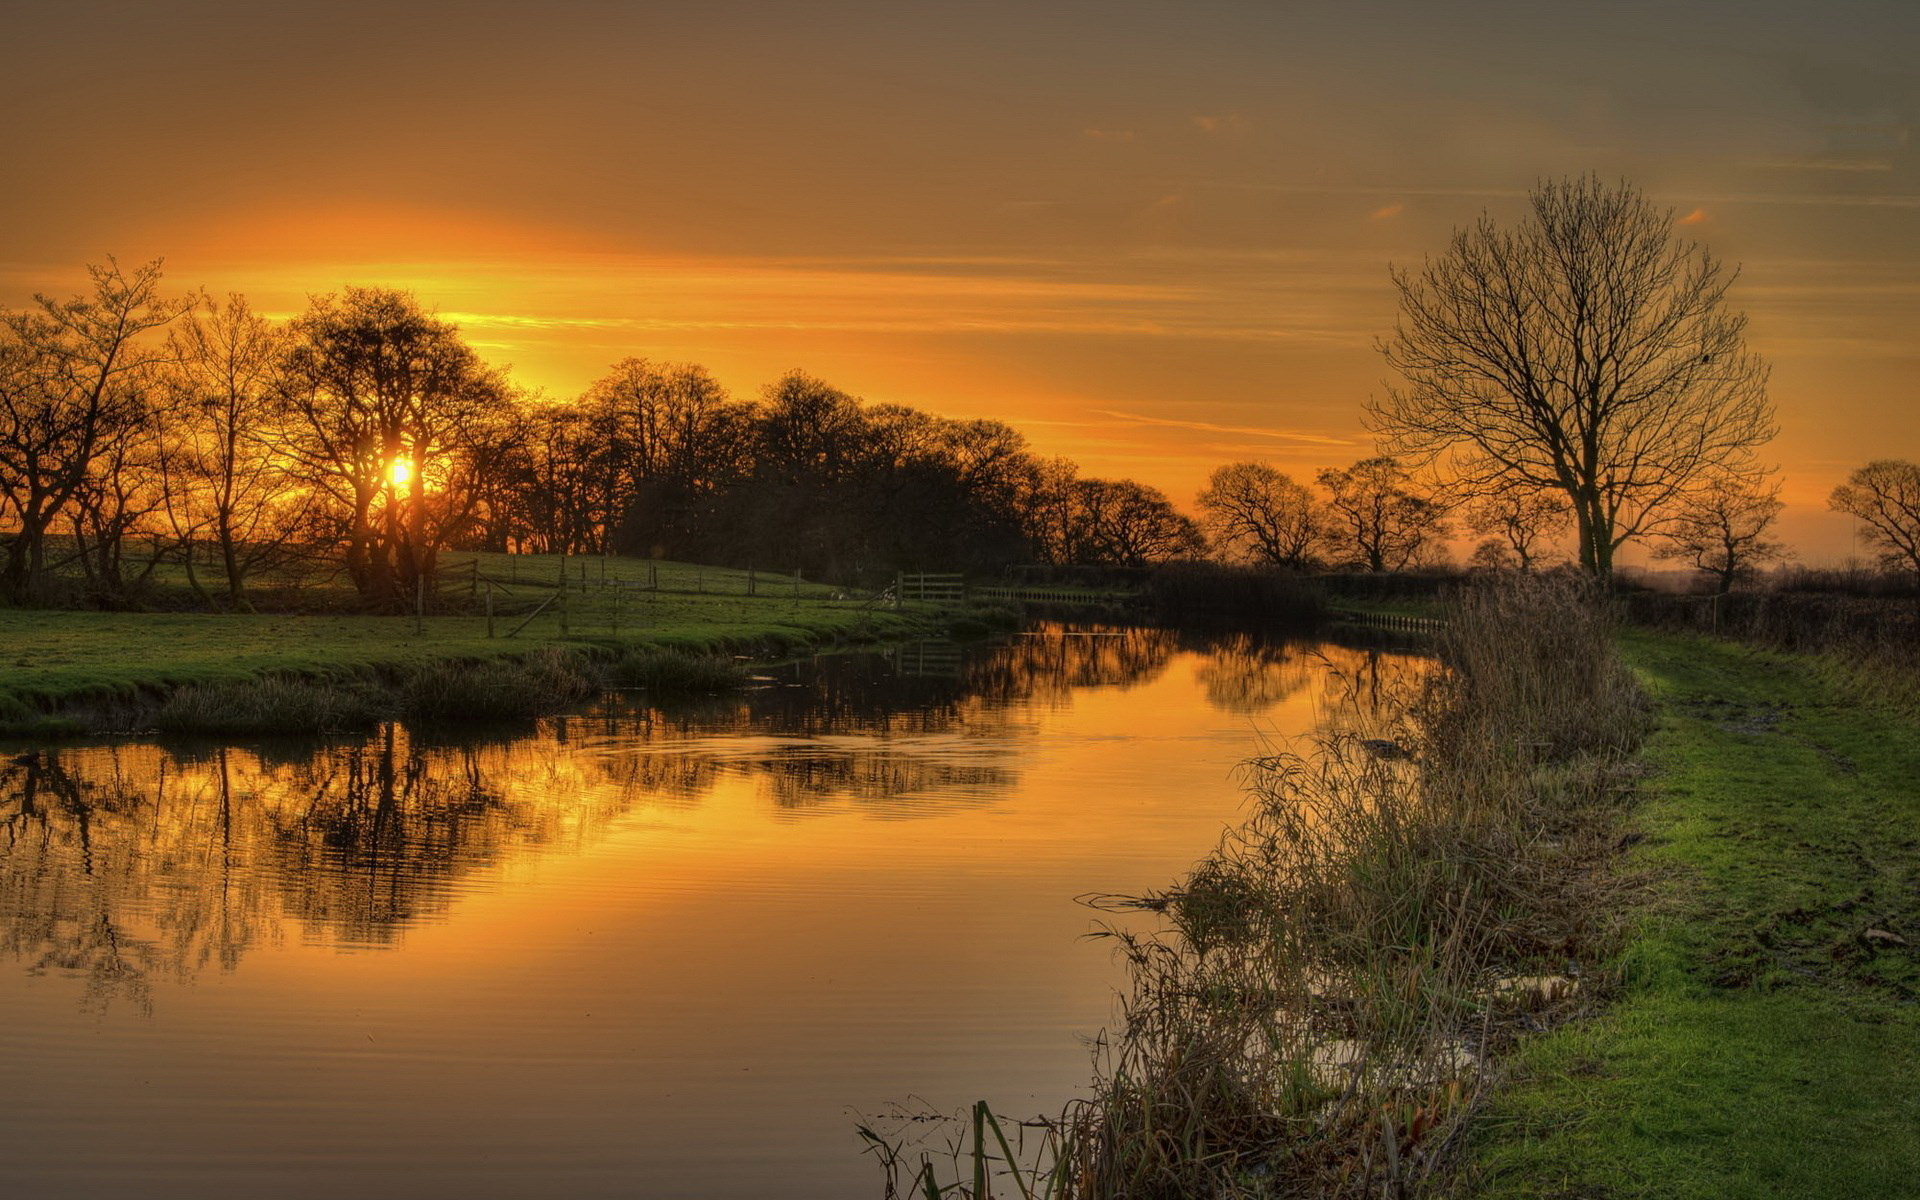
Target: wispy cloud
1225,125
1284,435
1820,163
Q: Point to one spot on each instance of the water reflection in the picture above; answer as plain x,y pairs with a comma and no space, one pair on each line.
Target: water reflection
121,865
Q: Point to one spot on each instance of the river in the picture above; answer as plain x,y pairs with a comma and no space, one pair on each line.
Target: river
639,951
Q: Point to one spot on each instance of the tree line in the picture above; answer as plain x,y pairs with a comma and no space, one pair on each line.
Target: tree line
138,429
1576,373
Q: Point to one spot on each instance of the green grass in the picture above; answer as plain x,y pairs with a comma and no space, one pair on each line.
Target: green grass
677,673
53,658
1760,1044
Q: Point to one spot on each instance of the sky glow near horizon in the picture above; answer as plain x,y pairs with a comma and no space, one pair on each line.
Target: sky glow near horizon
1154,237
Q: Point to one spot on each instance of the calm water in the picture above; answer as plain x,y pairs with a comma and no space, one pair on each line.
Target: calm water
635,953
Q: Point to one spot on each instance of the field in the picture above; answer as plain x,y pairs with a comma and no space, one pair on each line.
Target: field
56,657
1766,1041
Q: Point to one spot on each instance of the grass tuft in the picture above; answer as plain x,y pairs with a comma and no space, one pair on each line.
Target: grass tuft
676,673
500,690
272,705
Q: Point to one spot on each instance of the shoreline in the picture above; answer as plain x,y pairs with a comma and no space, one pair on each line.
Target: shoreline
67,674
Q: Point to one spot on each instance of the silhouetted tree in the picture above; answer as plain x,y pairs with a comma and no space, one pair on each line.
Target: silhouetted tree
1130,524
1885,496
223,478
1493,554
383,396
74,380
1520,521
1378,518
1256,512
1585,350
1721,530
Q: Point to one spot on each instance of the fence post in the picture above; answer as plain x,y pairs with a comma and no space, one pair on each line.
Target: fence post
749,581
563,572
473,576
583,573
796,583
653,576
700,582
563,606
616,612
489,610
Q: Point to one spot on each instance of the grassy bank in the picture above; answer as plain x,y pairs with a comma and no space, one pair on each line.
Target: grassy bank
1766,1039
59,662
1332,988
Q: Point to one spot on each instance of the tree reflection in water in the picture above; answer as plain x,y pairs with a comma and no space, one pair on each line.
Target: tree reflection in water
128,863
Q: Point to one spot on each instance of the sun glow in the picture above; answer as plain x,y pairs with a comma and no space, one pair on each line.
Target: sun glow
400,472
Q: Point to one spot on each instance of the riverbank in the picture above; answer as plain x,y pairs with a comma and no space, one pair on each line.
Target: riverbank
1320,1005
63,673
1766,1037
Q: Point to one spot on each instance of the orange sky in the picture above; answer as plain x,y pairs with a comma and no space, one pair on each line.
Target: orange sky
1154,236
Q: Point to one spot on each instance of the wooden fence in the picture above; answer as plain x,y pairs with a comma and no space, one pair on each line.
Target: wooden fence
1398,622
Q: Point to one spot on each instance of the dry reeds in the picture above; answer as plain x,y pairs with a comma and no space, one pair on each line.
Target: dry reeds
1320,1012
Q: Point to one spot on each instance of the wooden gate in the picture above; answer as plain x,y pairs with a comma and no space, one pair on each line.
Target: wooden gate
932,589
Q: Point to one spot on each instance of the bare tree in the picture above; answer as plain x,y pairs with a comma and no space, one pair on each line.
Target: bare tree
1128,523
1885,496
1586,350
1259,513
72,379
1378,518
382,397
1521,522
1721,530
224,478
1494,554
115,504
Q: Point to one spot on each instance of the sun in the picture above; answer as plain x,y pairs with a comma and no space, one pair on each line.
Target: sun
400,471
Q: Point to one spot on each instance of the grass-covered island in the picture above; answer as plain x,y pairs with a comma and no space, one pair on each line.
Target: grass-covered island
501,638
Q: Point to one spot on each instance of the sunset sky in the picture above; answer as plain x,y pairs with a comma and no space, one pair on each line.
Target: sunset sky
1155,236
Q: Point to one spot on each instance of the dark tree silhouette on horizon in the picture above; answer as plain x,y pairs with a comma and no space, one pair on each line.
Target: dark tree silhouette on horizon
1262,515
1378,518
1722,529
76,380
1885,496
382,397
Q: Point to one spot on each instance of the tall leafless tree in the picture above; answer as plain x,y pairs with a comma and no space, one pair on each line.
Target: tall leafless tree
1885,496
1586,350
1259,513
225,481
73,378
